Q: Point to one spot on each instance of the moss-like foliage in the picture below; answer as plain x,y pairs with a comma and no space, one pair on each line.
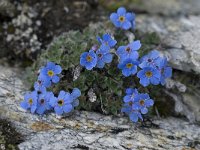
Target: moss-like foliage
108,84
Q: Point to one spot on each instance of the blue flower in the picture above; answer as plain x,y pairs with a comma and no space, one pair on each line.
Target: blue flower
149,75
152,59
107,40
142,102
129,100
30,101
129,51
41,84
75,94
51,71
62,104
132,20
126,108
130,95
121,19
129,67
103,56
134,115
88,60
166,71
43,102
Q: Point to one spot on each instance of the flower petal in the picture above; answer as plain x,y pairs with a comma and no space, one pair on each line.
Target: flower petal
61,95
127,98
57,69
33,108
67,108
135,106
68,99
75,93
106,37
112,42
114,19
55,79
58,110
129,91
149,103
40,110
168,72
50,65
144,110
144,81
100,64
107,58
126,72
136,45
121,11
155,81
126,25
52,101
24,105
130,16
121,50
133,117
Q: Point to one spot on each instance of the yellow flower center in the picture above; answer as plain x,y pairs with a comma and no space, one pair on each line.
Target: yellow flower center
50,73
142,102
129,65
89,58
149,74
61,102
121,18
30,101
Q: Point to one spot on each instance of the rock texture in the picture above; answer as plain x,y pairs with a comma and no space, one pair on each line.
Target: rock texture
168,8
87,130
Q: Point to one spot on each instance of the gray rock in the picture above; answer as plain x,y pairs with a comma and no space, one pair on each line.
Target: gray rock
7,8
167,8
87,129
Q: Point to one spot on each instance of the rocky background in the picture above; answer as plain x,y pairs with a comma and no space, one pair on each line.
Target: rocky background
28,27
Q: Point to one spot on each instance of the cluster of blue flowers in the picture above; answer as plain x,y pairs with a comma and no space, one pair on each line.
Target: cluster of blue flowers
40,100
154,68
150,69
135,104
98,56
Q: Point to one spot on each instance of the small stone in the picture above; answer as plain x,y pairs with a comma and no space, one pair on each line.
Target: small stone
92,96
38,23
